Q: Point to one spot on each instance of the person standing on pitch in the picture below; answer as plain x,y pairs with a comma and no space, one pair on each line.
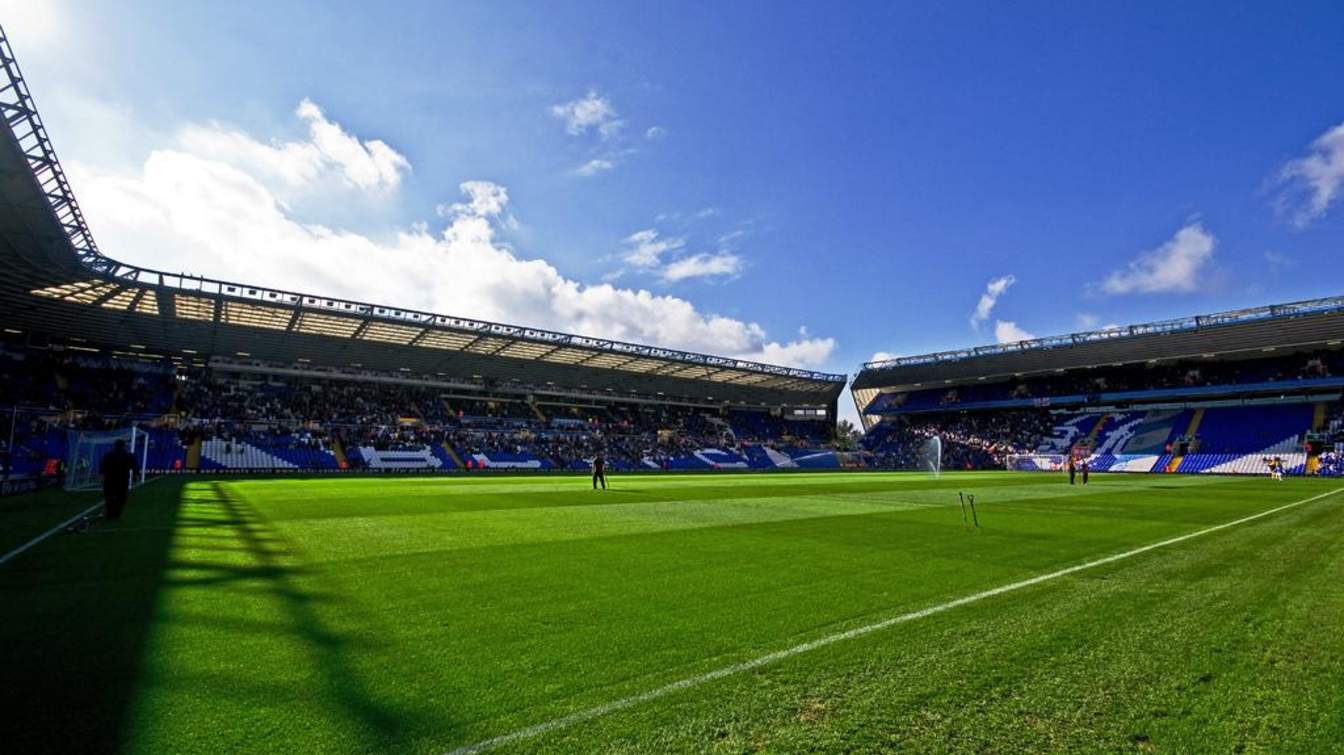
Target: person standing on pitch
115,468
1086,468
599,471
1073,469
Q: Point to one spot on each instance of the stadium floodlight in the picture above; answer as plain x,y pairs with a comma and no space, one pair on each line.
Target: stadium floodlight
87,447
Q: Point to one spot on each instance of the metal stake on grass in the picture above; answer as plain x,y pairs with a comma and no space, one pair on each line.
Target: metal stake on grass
974,518
962,496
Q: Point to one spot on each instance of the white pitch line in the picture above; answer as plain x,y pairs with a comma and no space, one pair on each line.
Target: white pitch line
5,558
694,681
48,533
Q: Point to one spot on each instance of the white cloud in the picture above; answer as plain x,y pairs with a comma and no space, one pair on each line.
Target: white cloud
1007,331
293,163
484,198
590,112
368,165
594,166
803,351
1088,321
703,266
1278,260
993,290
882,356
1311,184
644,249
34,25
594,113
216,215
371,165
1177,265
731,238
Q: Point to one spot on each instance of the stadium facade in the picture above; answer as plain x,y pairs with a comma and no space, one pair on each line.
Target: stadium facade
60,291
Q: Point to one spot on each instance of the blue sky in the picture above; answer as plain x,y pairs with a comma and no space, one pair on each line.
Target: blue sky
806,183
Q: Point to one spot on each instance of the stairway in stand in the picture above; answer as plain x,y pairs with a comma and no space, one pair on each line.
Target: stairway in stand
1096,430
1317,425
452,454
1195,419
194,455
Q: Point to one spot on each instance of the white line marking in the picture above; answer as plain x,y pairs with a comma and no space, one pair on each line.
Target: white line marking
5,558
737,668
48,533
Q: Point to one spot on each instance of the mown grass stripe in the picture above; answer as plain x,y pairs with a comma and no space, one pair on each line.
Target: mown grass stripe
588,714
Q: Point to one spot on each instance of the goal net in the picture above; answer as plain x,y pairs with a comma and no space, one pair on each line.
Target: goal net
86,449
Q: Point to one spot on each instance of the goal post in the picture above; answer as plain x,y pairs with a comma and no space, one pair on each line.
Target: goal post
85,450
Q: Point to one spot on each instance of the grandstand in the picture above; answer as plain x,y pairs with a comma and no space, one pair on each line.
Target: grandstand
240,377
70,314
1212,394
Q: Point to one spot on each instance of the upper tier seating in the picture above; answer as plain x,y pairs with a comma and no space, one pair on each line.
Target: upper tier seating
1201,379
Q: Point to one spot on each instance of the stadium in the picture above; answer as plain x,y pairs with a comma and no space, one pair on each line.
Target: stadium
354,527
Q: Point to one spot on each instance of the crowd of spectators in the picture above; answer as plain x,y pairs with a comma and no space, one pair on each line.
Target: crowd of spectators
89,383
1159,376
1332,438
968,440
62,391
45,393
389,416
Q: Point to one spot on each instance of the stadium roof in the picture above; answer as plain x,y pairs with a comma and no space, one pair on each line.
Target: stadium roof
1298,325
57,282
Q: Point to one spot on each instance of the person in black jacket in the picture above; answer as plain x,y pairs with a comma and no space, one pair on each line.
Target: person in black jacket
599,471
116,467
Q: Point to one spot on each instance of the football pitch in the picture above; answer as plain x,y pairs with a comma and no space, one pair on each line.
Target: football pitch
819,612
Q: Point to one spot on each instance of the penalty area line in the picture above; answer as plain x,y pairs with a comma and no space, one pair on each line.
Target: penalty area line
589,714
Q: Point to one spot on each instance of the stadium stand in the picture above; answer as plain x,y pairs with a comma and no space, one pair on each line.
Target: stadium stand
234,416
232,376
1215,394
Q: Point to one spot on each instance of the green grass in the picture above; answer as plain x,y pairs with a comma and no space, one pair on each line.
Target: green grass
25,516
424,614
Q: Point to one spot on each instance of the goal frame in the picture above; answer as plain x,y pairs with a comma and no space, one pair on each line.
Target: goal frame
85,449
